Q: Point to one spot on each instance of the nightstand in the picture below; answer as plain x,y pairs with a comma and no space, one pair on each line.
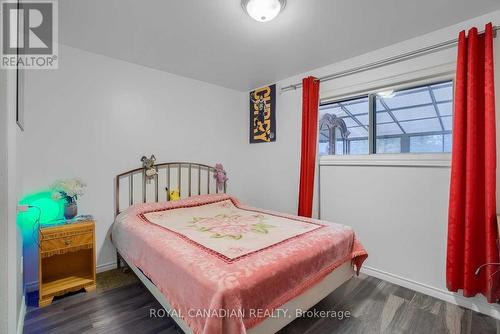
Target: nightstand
66,260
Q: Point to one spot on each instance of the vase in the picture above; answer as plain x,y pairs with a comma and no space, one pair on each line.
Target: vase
70,210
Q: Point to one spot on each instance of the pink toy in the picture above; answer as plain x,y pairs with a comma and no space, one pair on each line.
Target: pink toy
220,176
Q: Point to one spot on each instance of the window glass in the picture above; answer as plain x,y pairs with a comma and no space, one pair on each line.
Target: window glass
432,143
447,142
389,145
323,142
413,120
358,146
344,127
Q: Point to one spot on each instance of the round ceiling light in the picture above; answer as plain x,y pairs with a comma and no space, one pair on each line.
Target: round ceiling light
263,10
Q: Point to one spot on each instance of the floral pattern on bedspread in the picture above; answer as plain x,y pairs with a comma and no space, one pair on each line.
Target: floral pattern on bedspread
222,228
230,226
262,278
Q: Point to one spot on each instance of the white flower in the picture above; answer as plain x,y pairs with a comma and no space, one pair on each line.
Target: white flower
72,187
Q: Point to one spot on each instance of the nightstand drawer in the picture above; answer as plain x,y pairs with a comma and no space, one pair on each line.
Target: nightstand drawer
76,240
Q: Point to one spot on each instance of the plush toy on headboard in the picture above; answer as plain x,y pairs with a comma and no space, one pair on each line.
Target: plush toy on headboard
149,166
173,195
220,176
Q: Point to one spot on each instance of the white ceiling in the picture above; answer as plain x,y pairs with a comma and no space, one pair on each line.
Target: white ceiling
215,41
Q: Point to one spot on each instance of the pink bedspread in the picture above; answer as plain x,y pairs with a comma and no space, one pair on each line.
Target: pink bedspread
224,266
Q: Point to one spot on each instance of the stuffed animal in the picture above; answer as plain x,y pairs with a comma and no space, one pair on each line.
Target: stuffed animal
148,164
173,195
220,176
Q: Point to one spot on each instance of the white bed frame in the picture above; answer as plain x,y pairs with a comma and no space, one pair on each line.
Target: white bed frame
272,324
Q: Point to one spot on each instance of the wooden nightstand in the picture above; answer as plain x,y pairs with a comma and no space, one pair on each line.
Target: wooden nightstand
66,260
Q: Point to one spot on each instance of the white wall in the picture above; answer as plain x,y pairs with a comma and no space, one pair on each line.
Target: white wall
96,116
3,205
11,293
399,213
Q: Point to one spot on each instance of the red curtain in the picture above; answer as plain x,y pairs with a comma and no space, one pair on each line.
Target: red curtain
310,101
472,229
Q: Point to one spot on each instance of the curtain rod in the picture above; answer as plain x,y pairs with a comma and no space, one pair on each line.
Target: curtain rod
388,61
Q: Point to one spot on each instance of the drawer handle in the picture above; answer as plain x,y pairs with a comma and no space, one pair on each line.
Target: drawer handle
67,242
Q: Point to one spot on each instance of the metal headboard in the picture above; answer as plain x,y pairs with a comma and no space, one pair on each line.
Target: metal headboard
167,169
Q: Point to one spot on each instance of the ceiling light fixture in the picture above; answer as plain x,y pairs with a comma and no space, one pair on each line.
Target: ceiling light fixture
263,10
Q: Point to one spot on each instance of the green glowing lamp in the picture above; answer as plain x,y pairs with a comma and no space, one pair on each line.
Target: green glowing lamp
51,212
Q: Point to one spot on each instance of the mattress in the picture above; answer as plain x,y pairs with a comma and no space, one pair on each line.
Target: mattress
223,266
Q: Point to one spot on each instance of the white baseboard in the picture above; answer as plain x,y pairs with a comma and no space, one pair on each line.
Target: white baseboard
476,303
105,267
33,286
22,315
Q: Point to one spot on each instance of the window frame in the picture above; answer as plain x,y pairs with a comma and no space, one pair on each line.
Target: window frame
372,158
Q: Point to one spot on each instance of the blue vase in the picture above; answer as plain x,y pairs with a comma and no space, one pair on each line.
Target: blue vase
70,210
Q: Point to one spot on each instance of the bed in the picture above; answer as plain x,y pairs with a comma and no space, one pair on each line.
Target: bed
219,266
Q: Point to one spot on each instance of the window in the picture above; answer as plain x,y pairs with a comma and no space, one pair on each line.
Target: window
343,127
413,120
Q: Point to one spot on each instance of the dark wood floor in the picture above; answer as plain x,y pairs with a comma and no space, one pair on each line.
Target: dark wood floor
376,307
